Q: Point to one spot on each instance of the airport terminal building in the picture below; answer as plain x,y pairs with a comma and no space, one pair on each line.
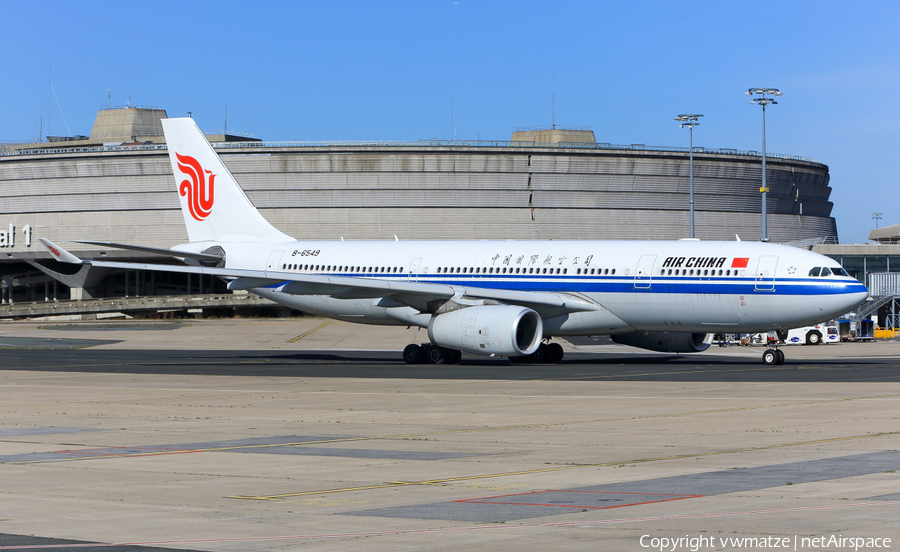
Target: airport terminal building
557,183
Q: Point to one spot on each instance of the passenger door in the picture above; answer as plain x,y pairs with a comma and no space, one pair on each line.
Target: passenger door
413,275
765,273
644,272
274,260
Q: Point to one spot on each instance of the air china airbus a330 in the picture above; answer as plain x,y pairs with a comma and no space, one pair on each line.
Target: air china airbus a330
504,298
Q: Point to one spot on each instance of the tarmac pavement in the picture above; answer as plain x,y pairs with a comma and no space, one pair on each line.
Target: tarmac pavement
307,434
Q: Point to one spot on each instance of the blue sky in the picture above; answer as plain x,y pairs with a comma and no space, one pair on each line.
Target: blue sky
387,70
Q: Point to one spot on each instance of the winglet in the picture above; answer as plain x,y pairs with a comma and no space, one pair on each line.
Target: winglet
59,253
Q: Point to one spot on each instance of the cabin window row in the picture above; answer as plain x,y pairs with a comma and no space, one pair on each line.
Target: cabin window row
341,268
499,270
697,272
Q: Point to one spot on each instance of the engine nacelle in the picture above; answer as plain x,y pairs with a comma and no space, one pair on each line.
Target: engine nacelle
488,330
666,342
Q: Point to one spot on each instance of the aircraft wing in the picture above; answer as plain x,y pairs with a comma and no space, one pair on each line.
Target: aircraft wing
157,251
414,294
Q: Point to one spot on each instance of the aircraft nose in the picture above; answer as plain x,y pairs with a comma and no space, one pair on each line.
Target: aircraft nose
855,299
854,294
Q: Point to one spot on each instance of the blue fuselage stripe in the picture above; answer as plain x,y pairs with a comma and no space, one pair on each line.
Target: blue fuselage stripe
628,284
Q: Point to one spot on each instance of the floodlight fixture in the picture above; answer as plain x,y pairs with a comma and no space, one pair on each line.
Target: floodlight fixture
763,92
688,119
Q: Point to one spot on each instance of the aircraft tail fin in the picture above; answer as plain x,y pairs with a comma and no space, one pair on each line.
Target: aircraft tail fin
214,206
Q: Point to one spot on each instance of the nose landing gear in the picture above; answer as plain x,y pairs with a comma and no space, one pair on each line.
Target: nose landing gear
773,357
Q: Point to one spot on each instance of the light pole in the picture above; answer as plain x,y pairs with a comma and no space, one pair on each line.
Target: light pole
763,98
877,217
690,121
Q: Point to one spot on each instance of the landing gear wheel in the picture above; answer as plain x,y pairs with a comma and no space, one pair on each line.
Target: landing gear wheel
780,354
413,354
813,338
453,357
435,355
770,357
556,353
542,354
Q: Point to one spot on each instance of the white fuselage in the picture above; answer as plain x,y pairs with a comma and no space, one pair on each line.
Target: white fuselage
681,286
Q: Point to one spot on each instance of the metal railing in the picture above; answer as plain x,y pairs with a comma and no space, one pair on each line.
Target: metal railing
505,144
870,306
884,284
130,105
229,133
809,243
554,127
883,288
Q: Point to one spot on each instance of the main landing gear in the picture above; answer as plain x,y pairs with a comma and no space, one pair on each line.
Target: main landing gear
773,357
547,353
427,353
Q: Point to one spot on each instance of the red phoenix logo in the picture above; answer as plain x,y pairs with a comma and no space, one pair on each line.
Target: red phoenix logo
53,250
198,191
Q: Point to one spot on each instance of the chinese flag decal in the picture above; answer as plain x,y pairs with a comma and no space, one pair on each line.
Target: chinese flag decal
740,262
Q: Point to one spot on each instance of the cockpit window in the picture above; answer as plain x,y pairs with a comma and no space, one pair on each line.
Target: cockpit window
828,271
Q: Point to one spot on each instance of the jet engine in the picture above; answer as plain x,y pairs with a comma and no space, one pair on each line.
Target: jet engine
488,330
666,342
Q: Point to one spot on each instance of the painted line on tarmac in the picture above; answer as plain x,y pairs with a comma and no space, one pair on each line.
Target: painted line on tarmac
317,328
565,468
494,527
496,499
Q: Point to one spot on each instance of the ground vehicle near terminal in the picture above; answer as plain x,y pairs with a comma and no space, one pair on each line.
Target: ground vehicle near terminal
496,298
807,335
856,330
813,335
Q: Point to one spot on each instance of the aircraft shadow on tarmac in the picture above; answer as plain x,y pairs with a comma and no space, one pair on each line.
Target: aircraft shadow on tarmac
388,365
